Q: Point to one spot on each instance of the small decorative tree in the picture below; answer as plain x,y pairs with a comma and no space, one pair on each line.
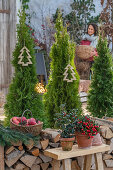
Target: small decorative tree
58,91
100,98
21,94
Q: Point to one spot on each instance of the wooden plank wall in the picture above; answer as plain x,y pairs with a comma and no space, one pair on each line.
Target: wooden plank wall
13,19
7,41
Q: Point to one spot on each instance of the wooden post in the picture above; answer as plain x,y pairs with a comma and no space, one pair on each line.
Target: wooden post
67,164
98,161
87,162
12,33
6,65
4,41
1,45
2,158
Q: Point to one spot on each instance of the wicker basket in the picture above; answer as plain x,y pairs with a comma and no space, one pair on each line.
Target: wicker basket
84,51
32,129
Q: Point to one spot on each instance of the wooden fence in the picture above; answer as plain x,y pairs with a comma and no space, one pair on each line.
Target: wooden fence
7,41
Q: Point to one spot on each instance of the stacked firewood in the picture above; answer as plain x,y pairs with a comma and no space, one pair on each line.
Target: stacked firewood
19,156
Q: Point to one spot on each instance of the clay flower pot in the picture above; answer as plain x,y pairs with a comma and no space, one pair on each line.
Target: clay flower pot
67,143
83,141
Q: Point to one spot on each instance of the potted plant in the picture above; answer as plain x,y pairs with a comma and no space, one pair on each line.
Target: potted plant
65,122
85,130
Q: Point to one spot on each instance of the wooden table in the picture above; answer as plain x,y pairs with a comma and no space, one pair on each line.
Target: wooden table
57,154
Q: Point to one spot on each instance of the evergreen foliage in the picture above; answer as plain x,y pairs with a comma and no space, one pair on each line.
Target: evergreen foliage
8,135
100,98
58,91
25,4
21,95
55,16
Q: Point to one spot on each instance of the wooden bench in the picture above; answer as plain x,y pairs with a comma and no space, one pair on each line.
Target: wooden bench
57,154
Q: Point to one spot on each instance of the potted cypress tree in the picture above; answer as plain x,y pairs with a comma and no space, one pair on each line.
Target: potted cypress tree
21,95
100,97
58,92
65,122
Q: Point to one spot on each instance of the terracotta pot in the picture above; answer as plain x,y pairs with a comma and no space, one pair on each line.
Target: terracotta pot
97,140
67,143
83,141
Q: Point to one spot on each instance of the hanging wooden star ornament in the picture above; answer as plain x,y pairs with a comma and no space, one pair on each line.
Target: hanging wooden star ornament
66,74
21,57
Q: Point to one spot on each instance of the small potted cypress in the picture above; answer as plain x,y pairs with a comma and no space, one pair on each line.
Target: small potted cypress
65,122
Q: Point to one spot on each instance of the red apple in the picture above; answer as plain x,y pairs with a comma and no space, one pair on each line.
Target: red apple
31,121
24,119
19,119
15,120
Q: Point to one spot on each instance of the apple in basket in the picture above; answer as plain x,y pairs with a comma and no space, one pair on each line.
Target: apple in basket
15,120
32,121
23,119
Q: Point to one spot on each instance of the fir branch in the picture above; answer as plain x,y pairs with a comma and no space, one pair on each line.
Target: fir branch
8,135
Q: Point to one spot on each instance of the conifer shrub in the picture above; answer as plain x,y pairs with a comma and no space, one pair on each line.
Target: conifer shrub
58,91
21,95
100,98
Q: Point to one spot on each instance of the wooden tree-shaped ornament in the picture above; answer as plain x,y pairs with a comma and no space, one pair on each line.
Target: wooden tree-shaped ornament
21,57
66,74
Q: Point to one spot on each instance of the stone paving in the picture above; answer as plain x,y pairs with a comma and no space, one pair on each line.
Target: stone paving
85,111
